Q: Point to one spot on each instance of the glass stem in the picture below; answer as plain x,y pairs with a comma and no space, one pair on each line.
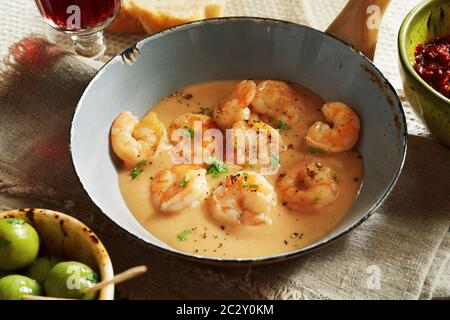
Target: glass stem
90,45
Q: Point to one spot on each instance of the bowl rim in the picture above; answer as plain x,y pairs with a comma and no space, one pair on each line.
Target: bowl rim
403,139
105,268
402,38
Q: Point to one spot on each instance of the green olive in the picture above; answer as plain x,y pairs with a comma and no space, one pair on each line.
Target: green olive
14,287
40,268
69,280
19,244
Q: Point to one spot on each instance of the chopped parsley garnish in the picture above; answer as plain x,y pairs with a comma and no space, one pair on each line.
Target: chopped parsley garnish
135,173
217,168
4,243
184,182
281,125
313,150
204,111
16,221
183,235
274,161
93,278
188,131
141,163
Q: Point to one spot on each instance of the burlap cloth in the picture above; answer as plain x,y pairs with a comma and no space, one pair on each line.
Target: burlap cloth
405,245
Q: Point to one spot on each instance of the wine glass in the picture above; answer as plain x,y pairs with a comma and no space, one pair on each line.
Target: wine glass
83,20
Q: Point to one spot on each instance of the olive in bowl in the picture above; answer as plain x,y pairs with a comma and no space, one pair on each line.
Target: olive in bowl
40,268
14,287
69,280
19,244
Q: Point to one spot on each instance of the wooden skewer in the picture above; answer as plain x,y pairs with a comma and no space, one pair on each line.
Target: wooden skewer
28,297
119,278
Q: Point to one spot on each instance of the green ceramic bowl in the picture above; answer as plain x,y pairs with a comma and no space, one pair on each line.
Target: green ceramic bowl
428,20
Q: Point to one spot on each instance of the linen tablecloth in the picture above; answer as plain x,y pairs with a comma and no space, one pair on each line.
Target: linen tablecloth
411,257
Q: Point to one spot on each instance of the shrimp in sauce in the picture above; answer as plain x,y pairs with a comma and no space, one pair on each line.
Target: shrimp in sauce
340,133
244,198
228,209
180,187
276,100
308,187
235,107
134,141
192,126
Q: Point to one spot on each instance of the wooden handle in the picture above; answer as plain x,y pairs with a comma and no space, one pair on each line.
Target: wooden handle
359,23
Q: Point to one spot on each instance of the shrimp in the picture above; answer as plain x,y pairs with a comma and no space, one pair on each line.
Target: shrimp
256,142
235,107
188,120
243,198
191,126
308,187
133,140
342,135
178,188
277,101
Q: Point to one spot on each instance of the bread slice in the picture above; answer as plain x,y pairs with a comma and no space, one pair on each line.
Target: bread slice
156,15
126,21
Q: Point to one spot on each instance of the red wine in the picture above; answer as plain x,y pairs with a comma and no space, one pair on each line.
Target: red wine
75,15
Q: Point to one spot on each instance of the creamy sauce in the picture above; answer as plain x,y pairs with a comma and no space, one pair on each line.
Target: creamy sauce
289,230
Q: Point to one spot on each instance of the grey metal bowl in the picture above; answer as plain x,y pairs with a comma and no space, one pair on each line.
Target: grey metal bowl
238,48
